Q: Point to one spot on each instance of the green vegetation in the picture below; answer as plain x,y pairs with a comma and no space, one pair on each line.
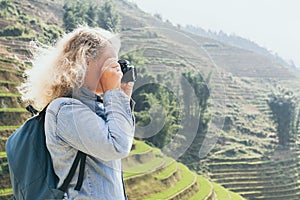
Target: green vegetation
6,191
13,110
169,180
2,154
108,17
221,192
26,27
198,113
139,147
168,112
186,180
12,31
10,71
248,157
283,106
136,58
8,127
169,170
205,189
9,95
144,167
154,94
9,60
7,8
9,82
80,13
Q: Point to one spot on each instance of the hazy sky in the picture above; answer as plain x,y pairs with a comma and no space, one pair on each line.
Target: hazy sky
273,24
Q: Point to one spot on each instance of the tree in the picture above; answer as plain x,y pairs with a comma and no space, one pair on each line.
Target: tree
108,17
81,12
283,107
167,99
199,85
92,15
70,20
4,4
158,16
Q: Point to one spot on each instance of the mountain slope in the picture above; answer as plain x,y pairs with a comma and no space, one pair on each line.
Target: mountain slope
246,142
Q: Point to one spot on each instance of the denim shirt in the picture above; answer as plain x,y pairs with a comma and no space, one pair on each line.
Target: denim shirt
104,131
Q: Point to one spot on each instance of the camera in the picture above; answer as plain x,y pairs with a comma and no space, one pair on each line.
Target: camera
129,72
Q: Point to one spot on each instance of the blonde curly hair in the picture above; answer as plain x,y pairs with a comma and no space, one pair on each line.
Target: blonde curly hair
57,71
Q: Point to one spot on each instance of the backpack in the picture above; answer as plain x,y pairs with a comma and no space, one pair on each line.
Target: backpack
30,165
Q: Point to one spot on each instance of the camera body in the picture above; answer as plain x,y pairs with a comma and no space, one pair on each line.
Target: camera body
129,72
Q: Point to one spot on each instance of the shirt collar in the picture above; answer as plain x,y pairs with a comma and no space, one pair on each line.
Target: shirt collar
87,97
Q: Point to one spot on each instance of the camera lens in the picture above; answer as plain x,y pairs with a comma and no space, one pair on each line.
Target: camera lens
124,65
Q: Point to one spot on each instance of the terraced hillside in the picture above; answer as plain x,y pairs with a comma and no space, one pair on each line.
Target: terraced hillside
246,158
151,175
12,112
253,164
148,174
247,148
273,177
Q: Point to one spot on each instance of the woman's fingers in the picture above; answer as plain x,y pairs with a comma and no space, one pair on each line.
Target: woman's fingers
111,77
127,88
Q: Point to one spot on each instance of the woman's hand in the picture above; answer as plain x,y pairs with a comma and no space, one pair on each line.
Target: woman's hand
111,77
127,88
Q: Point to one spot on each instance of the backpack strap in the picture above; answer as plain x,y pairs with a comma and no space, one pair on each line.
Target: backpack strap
32,110
80,157
81,171
40,114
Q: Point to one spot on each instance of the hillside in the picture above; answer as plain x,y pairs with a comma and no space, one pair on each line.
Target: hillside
237,41
241,151
150,175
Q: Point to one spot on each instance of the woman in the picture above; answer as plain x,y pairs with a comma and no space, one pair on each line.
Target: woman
83,65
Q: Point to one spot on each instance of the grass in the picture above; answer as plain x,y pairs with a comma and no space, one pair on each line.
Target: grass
9,95
13,110
169,170
268,187
236,173
3,154
263,168
139,150
240,163
11,71
262,164
221,192
143,168
248,182
6,191
2,128
204,191
9,82
9,60
260,177
141,147
186,180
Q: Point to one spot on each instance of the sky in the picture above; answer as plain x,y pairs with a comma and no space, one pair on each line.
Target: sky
272,24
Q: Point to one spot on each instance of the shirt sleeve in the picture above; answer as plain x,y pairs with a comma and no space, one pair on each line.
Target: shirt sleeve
83,129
